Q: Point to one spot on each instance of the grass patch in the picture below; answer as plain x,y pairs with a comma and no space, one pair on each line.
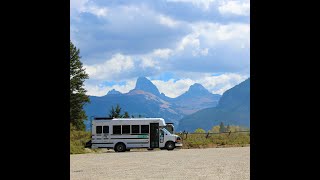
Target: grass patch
215,140
78,140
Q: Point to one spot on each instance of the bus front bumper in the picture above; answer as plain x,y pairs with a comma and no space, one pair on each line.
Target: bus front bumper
178,144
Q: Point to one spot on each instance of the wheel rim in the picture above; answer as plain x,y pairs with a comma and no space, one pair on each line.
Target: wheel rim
120,148
170,146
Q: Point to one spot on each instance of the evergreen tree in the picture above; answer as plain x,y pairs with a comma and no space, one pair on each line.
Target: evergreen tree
115,112
228,128
222,128
126,115
78,98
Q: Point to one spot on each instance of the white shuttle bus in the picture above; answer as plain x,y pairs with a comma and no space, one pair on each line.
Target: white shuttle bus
124,134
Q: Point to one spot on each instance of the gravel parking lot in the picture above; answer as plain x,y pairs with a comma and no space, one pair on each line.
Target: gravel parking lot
210,163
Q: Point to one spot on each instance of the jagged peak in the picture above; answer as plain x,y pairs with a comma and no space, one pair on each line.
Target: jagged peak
113,91
145,84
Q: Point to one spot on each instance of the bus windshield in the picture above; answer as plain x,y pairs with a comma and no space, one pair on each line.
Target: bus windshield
166,131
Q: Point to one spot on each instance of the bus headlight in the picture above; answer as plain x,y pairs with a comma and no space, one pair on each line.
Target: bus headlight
178,139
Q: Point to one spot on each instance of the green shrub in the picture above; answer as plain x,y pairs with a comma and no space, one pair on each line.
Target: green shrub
199,130
78,140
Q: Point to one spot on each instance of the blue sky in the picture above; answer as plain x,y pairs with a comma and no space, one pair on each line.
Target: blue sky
174,43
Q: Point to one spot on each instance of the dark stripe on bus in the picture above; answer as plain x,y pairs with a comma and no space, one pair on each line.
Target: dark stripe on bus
137,142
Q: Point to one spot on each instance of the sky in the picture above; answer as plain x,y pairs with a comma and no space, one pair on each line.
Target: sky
174,43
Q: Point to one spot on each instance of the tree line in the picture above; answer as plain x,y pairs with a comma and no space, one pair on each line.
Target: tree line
115,112
221,129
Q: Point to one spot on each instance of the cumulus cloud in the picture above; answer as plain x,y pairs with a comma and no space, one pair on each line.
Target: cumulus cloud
162,53
148,62
241,8
173,88
167,21
94,89
115,66
219,84
215,84
81,6
100,12
204,4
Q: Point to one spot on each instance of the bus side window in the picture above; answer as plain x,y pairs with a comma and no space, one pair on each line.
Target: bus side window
125,129
116,129
144,128
106,129
135,129
98,129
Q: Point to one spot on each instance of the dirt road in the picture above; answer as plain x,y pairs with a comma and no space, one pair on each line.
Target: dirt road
211,163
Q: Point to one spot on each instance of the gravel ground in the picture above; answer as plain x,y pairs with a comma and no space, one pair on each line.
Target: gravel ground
210,163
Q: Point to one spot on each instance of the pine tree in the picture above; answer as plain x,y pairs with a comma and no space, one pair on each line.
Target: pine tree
228,128
222,128
126,115
78,98
115,112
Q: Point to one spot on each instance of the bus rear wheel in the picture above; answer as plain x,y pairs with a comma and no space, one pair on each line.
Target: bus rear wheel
169,145
120,147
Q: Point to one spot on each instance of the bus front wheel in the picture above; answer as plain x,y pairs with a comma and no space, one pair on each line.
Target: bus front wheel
170,145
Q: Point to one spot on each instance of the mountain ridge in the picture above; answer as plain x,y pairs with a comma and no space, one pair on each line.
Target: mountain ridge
233,108
145,99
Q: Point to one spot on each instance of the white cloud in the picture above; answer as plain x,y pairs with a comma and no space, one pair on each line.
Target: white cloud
219,84
148,62
113,67
81,6
207,35
189,40
173,89
167,21
101,90
98,11
78,5
215,84
241,8
191,43
204,4
162,53
212,34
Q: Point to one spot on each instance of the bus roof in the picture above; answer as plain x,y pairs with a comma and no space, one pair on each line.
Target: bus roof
127,120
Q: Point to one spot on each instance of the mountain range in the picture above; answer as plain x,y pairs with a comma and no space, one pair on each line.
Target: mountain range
146,100
233,108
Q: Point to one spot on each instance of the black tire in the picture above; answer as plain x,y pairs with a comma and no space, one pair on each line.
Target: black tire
170,146
120,147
